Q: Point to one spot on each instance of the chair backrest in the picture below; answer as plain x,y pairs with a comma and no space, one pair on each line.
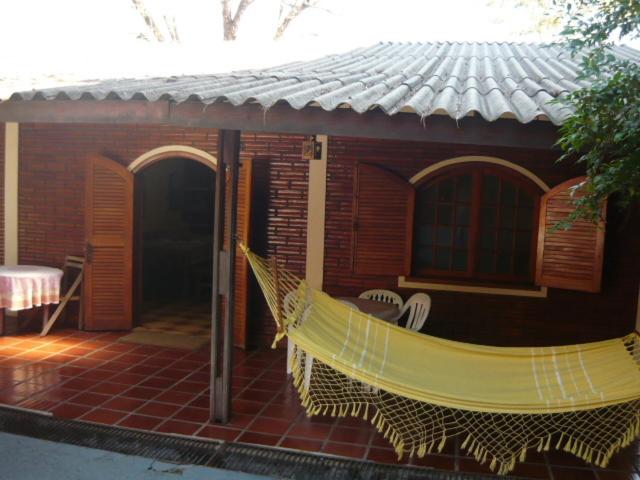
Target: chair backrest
73,267
289,302
386,296
419,306
71,261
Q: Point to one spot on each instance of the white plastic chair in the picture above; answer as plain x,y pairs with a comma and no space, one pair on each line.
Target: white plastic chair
419,306
386,296
288,303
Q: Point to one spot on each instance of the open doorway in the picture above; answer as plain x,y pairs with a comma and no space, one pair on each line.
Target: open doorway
177,193
174,244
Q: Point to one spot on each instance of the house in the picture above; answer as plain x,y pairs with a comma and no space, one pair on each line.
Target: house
433,169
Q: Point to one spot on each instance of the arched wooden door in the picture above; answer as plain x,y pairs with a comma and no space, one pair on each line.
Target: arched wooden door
108,277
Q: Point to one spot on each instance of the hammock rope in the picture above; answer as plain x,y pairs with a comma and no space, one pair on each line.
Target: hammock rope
420,391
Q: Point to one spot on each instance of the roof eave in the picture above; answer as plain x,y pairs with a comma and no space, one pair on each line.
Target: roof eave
284,119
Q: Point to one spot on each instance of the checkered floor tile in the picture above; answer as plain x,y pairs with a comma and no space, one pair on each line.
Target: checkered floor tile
178,319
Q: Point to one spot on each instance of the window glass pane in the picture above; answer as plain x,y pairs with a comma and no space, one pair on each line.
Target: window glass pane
486,261
524,199
488,239
463,215
445,190
443,258
460,260
505,240
488,217
424,257
490,187
444,236
430,193
462,237
507,217
521,264
523,241
508,194
445,214
463,188
525,218
503,264
425,235
425,212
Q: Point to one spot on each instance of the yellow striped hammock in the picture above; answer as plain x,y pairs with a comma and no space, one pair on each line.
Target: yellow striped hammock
420,391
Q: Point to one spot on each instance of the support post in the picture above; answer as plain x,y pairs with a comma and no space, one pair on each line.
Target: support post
223,277
11,155
12,132
638,312
316,207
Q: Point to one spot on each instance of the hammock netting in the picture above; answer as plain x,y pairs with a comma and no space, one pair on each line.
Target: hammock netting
421,391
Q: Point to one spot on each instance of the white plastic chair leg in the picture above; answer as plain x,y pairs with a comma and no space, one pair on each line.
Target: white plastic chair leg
308,365
289,356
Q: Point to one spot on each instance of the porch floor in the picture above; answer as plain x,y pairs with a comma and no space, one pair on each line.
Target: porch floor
92,377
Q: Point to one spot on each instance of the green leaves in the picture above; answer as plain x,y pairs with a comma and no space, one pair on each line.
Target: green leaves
603,133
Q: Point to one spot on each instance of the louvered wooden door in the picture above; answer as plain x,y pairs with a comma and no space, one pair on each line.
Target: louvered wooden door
245,182
108,291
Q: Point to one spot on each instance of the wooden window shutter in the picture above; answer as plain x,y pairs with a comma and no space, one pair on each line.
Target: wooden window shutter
383,220
569,259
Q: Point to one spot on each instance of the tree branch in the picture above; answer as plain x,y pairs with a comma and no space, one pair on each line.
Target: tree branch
230,22
242,6
295,9
170,22
148,19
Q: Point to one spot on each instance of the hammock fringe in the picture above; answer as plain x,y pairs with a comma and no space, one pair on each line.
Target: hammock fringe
415,427
470,445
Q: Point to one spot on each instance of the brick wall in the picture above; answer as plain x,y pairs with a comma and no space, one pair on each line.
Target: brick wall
51,195
52,169
563,317
51,224
279,221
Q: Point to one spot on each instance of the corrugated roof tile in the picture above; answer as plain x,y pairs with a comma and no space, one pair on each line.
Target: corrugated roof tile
493,80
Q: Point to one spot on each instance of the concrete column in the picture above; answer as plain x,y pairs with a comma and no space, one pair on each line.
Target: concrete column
316,206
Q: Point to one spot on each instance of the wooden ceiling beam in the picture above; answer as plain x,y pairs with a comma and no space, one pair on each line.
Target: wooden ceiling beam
84,111
284,119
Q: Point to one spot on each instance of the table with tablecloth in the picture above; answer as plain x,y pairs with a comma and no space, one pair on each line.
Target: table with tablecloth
28,286
384,311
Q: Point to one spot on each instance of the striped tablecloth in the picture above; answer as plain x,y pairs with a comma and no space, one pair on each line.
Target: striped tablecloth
28,286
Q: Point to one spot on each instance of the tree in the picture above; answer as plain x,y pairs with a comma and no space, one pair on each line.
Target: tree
289,11
538,12
231,21
169,22
162,28
603,132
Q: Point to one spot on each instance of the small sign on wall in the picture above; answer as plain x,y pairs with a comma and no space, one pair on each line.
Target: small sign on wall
311,149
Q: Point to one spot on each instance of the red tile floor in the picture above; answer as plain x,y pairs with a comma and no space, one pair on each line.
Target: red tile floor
92,377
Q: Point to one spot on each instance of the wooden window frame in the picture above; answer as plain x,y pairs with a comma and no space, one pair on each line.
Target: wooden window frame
471,276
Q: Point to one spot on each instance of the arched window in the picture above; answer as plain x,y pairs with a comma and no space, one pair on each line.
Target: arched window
475,222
